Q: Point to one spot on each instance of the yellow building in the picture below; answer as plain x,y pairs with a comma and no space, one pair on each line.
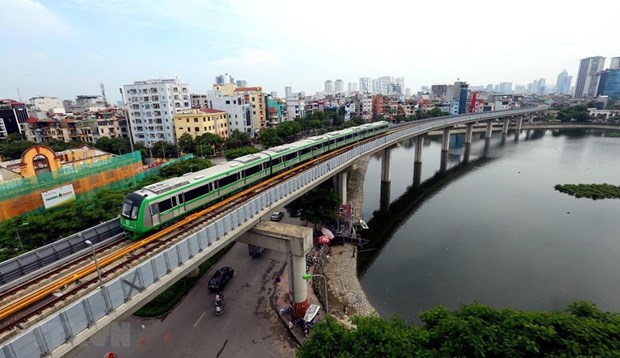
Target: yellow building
254,96
226,89
199,121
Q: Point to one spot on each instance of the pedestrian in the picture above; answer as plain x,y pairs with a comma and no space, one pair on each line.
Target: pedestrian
353,255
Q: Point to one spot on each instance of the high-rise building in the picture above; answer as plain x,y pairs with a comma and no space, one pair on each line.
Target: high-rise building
588,77
151,106
352,87
241,83
439,90
365,85
563,83
12,115
505,87
609,84
339,86
255,97
224,79
288,91
198,101
615,63
329,87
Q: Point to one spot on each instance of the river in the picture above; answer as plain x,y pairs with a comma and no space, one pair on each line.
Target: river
493,230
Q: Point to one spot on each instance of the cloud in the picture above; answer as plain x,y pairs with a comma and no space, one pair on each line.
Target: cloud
248,57
30,18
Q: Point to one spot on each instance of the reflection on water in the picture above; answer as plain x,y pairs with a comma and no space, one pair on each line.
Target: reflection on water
491,228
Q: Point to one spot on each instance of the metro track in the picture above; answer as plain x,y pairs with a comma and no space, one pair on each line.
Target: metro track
26,303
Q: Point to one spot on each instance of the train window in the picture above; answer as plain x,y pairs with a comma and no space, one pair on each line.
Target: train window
181,199
253,170
227,180
154,209
275,161
340,139
305,151
165,205
317,146
174,201
198,192
333,141
290,156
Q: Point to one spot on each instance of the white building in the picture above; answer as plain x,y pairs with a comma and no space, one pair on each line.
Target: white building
151,105
329,87
239,110
288,91
365,85
352,87
339,86
47,104
588,76
365,105
505,87
295,108
615,63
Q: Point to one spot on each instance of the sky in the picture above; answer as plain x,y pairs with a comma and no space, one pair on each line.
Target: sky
65,48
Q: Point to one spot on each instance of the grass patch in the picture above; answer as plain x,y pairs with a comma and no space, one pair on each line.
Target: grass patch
592,191
166,300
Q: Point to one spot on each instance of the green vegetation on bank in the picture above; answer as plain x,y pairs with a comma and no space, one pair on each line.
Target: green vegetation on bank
592,191
474,330
166,300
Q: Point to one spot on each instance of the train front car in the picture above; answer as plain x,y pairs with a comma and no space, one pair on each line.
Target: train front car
131,215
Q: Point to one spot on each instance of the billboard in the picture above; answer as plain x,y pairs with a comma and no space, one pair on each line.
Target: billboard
58,196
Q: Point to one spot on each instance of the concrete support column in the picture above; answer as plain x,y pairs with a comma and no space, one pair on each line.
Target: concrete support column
505,126
469,133
418,148
446,139
386,166
341,186
519,123
527,134
531,118
466,153
443,166
298,286
489,131
487,145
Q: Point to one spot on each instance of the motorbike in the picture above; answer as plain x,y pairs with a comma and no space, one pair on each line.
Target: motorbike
219,308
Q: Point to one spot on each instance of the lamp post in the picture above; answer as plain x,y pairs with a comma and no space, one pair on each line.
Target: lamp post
17,231
89,243
308,276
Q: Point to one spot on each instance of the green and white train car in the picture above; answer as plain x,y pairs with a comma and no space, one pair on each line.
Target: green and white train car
157,204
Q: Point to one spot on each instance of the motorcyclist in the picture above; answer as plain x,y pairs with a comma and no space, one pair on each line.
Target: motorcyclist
218,298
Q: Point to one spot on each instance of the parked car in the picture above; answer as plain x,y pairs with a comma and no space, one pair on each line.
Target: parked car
220,278
276,216
255,251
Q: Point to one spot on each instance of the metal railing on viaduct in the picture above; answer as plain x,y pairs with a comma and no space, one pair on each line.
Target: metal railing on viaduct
68,326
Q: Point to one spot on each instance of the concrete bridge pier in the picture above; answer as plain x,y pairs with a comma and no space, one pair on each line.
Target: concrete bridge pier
418,148
487,145
445,145
296,241
519,123
531,119
502,142
386,165
443,166
466,153
489,131
527,134
340,183
505,126
417,174
469,133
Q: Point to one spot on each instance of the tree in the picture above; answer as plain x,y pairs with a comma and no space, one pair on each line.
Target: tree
269,138
238,139
186,143
113,145
474,330
163,149
179,168
319,206
288,131
208,144
14,149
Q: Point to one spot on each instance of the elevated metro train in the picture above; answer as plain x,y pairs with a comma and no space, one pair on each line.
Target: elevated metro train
154,205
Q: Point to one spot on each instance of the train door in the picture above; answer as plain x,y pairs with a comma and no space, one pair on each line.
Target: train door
155,214
175,208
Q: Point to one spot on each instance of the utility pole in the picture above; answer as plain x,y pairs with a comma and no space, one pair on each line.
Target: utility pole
127,120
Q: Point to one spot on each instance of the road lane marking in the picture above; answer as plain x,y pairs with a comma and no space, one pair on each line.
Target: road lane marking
202,315
254,281
226,325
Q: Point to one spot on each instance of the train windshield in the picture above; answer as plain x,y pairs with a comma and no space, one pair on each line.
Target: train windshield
131,206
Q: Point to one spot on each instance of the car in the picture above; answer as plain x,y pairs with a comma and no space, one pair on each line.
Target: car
276,216
220,278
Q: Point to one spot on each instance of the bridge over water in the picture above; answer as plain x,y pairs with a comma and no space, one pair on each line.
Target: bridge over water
60,330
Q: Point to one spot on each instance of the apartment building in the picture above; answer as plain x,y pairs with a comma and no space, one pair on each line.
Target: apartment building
256,99
151,105
198,121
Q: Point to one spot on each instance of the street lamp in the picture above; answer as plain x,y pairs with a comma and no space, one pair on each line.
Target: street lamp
308,276
89,243
17,231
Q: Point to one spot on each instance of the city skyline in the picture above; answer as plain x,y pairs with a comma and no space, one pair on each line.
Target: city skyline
67,48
